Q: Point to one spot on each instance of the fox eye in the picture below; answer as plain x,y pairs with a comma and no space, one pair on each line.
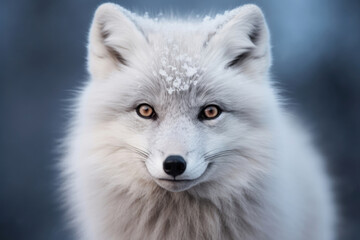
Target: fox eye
145,111
210,112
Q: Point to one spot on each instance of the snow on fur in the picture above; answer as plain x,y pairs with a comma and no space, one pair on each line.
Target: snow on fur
178,70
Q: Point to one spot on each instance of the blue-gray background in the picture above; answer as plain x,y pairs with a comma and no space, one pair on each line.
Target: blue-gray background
42,58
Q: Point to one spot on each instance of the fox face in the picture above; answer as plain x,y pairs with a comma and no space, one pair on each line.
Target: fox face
178,104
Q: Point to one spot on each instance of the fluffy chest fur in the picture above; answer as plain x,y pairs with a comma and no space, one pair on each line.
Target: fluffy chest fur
164,215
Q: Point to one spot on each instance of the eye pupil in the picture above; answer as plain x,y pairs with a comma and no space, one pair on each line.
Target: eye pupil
211,111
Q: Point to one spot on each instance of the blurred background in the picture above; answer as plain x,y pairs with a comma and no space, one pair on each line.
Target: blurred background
316,49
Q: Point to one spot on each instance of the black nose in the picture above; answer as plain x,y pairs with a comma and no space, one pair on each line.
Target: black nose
174,165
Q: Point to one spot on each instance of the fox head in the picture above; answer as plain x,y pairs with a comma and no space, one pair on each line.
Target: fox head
184,105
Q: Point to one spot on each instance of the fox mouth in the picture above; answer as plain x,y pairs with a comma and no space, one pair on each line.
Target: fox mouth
176,180
178,185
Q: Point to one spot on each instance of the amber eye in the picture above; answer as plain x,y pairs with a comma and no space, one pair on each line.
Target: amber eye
210,112
145,111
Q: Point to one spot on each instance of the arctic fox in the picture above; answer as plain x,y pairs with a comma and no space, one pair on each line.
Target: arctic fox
179,134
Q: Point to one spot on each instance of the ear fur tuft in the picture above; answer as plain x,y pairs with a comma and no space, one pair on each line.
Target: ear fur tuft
243,40
113,40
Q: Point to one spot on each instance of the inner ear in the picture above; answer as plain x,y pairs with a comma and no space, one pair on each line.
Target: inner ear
241,40
113,53
238,59
254,36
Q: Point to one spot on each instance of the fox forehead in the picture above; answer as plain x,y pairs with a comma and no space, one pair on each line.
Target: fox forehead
176,73
181,80
178,70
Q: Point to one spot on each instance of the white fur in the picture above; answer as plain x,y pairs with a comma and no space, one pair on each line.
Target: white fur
268,184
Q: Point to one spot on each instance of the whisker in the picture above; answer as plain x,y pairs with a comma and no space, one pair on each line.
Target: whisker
220,154
140,152
208,153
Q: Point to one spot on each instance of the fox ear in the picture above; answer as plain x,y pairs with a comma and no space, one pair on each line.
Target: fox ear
243,40
113,40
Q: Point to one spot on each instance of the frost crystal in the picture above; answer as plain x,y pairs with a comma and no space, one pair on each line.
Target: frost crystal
170,90
178,69
177,82
162,73
190,71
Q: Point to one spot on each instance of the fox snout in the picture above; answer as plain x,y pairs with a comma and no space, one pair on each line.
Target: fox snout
174,165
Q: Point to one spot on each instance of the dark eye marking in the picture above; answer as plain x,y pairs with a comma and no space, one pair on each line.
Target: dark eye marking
146,111
209,112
